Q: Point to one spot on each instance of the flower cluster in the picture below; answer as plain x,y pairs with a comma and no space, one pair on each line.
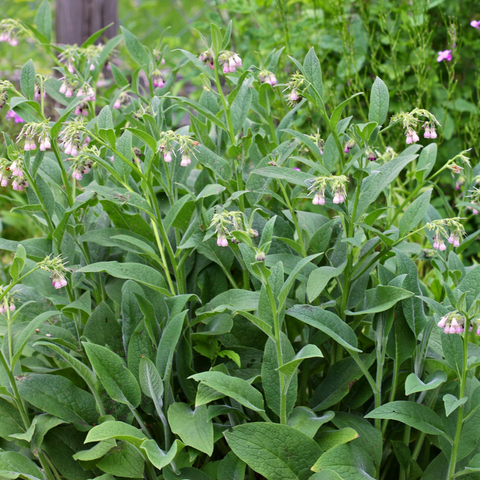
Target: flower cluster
31,130
230,61
475,24
12,170
337,185
71,136
454,322
7,304
448,228
91,54
411,120
85,91
82,163
9,31
475,201
5,85
122,99
56,266
226,222
267,77
349,145
157,79
318,140
295,86
170,141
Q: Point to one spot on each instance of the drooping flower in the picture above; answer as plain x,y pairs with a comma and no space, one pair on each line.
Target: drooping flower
222,240
411,136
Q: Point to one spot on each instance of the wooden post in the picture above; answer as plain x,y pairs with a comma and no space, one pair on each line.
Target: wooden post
76,20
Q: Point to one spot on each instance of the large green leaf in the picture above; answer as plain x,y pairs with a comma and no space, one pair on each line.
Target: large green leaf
131,271
278,452
192,426
414,213
58,396
234,387
413,414
14,465
117,431
382,298
117,380
348,462
328,323
379,100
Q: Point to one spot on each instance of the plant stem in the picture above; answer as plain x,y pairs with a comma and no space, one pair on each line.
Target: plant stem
463,382
278,345
226,109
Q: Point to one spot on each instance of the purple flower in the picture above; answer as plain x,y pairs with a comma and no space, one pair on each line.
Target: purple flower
445,55
12,115
475,24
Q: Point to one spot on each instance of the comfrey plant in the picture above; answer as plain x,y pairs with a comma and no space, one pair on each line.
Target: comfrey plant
238,297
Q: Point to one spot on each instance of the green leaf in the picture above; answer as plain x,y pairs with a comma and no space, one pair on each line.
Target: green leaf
131,271
117,380
338,382
10,420
413,414
97,451
27,80
330,438
192,426
77,365
379,101
123,461
413,384
157,456
105,119
271,378
339,109
234,387
43,19
135,48
414,213
14,465
27,332
328,323
217,39
382,298
370,439
426,162
58,396
278,452
378,180
231,468
452,403
288,174
308,351
282,296
319,279
119,77
117,431
168,343
151,383
348,461
313,72
18,262
241,104
104,329
305,420
266,96
211,160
